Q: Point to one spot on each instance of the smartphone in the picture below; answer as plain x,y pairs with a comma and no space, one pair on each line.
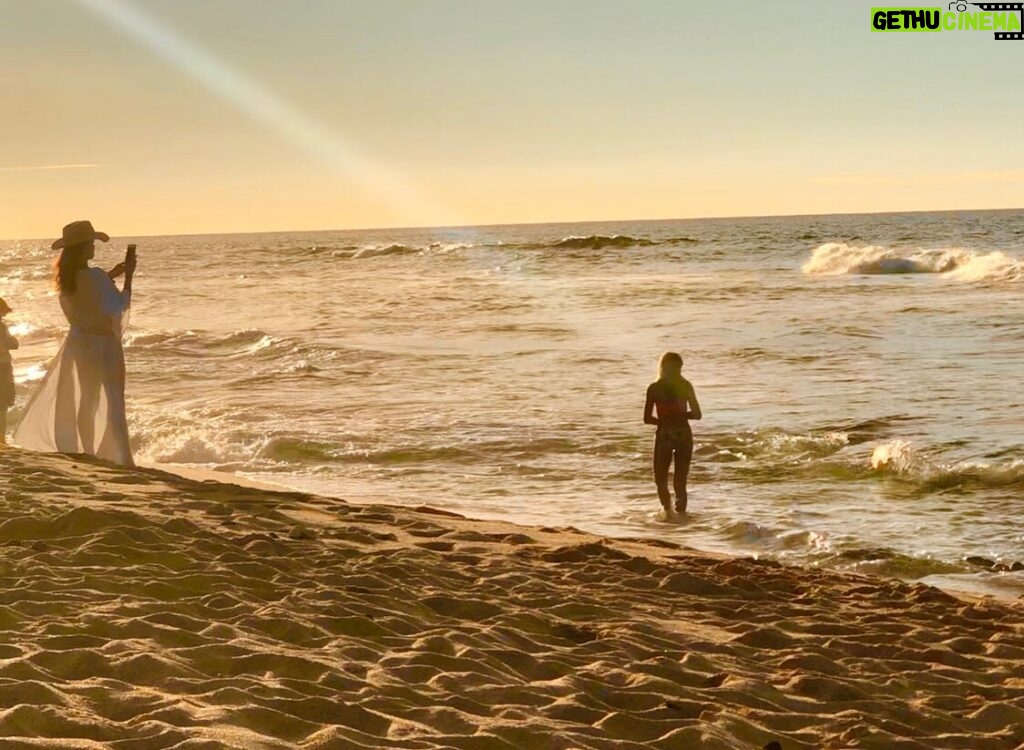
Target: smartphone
131,251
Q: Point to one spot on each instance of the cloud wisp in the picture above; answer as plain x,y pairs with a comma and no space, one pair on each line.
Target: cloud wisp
920,180
48,167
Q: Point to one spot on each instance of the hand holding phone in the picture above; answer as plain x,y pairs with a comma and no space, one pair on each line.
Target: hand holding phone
130,259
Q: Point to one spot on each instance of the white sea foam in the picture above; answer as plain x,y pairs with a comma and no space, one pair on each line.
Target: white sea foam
839,258
774,444
995,266
895,456
903,459
376,251
160,438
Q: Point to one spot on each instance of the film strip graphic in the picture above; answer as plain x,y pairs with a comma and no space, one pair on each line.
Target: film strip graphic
1005,35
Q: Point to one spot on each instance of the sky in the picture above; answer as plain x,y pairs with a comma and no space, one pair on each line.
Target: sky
192,116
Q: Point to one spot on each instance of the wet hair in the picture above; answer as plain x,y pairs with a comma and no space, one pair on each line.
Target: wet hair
671,364
70,261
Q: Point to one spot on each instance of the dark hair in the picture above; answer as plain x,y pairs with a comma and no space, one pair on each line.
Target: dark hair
70,261
671,363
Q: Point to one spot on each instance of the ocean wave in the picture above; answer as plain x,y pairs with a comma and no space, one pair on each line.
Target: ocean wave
302,367
836,258
221,438
376,251
600,241
903,460
754,353
774,540
880,561
883,561
186,449
141,339
201,343
773,455
184,438
246,341
297,450
29,333
839,258
772,445
570,242
994,266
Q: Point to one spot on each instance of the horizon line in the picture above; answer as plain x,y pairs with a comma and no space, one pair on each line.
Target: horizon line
553,223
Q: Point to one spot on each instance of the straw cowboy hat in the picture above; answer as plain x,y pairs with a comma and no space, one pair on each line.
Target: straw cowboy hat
78,233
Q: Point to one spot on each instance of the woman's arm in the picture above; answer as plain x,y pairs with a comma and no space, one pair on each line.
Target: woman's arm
130,262
105,294
649,417
691,399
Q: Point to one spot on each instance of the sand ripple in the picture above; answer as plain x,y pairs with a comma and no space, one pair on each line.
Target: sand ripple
141,610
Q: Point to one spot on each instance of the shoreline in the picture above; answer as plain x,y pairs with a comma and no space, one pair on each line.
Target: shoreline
148,607
972,585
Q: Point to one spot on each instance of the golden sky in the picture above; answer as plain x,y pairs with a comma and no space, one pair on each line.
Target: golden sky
170,117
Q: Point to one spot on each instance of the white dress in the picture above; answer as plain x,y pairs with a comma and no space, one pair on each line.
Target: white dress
79,406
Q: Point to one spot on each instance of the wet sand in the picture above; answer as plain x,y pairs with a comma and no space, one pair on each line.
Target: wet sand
141,609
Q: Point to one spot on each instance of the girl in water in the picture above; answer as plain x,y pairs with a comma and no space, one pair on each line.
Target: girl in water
673,397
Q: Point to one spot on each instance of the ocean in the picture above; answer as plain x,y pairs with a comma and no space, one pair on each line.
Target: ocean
859,375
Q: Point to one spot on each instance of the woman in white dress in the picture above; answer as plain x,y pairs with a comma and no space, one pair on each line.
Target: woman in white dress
79,406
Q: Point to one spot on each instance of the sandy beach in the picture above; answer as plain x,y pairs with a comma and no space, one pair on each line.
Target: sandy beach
145,610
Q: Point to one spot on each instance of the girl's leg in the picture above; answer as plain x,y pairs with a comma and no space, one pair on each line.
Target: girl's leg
684,454
662,460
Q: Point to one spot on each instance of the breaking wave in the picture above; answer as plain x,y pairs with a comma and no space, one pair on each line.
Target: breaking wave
600,241
772,455
839,258
377,251
571,242
903,460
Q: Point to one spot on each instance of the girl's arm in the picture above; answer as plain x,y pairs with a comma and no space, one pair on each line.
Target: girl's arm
649,417
691,399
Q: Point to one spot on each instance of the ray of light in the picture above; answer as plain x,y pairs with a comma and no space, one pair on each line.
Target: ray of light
300,130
